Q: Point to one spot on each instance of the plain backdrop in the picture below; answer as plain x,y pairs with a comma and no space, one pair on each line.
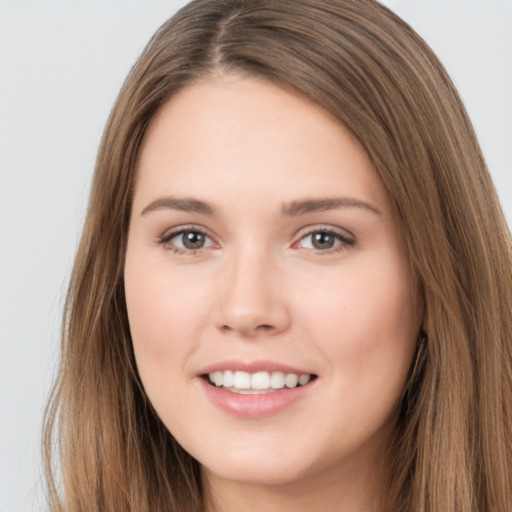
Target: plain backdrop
61,66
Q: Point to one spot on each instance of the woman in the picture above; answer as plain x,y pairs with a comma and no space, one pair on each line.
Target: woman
291,290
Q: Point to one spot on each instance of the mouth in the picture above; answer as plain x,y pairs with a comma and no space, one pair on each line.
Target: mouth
256,389
257,383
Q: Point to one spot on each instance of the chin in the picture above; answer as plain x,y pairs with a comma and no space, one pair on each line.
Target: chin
272,463
257,472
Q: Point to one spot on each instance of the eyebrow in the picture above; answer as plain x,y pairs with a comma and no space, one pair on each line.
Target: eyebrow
304,206
185,204
292,209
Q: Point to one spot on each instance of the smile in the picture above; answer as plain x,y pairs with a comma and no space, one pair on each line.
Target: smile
256,389
257,383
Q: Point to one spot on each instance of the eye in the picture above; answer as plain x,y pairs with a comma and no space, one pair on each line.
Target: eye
188,239
325,240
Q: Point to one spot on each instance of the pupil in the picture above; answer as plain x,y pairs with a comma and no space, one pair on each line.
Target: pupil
193,240
323,241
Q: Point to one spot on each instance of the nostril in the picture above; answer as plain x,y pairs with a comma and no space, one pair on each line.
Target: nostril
251,318
246,328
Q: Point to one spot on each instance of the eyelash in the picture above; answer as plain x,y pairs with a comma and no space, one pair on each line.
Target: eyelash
167,237
345,242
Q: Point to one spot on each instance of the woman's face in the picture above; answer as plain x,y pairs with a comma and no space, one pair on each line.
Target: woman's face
263,254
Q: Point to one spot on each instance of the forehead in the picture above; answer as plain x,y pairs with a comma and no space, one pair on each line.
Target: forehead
232,135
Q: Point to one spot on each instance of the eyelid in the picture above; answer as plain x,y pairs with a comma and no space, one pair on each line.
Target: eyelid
345,237
335,230
169,234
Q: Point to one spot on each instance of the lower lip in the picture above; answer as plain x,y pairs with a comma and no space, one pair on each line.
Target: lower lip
255,406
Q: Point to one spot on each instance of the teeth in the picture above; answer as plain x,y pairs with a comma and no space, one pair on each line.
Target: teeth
277,380
304,379
218,378
242,380
257,381
228,379
291,380
260,380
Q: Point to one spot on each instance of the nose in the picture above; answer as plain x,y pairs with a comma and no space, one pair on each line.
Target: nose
252,300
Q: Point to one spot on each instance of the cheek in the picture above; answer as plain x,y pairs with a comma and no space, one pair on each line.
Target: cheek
365,321
164,318
163,315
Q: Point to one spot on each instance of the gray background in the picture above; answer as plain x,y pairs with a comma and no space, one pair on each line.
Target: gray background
61,65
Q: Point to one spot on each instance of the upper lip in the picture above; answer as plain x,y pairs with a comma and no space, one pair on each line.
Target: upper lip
252,367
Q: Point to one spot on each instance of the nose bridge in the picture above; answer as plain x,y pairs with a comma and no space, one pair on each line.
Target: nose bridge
252,299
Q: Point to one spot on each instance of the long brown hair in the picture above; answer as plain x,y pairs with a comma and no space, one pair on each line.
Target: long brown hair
355,58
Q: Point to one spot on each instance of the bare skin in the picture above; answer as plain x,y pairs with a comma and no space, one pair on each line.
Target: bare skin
262,237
